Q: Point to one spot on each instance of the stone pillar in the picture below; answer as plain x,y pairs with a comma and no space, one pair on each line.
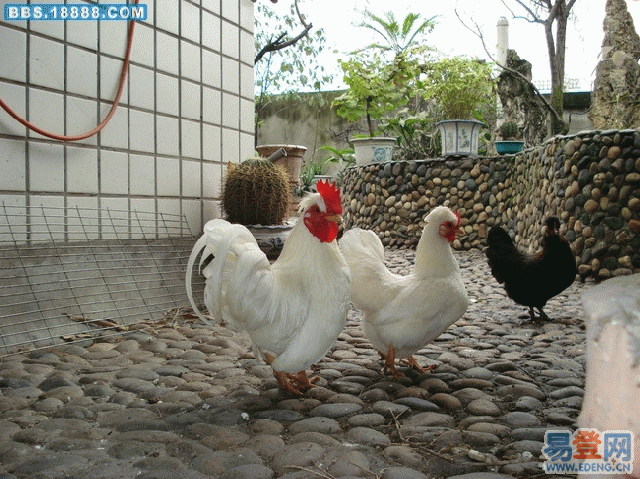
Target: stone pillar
502,47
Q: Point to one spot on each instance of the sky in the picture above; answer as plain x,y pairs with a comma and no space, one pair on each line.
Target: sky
584,33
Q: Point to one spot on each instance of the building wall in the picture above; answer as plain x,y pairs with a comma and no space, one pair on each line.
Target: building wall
311,122
187,109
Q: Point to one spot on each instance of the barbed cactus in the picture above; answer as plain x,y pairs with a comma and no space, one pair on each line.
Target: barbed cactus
509,130
256,192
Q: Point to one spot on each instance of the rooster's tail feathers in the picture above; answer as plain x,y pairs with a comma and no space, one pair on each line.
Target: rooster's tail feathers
217,241
364,253
200,246
362,241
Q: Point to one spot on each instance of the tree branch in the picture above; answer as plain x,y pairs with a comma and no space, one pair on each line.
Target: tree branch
534,18
279,44
477,32
301,18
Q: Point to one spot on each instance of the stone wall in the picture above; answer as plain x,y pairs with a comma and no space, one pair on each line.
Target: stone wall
590,180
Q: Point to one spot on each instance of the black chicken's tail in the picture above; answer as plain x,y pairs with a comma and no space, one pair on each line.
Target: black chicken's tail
501,253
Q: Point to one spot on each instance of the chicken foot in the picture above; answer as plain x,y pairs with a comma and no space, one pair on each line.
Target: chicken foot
411,362
543,316
297,383
389,363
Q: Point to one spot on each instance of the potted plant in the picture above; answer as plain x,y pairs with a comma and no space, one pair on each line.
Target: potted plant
510,144
369,96
256,193
382,78
310,174
459,86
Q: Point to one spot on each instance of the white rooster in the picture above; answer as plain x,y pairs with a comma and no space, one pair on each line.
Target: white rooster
403,313
293,309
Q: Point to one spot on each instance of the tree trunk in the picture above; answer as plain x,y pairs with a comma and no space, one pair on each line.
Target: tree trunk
556,49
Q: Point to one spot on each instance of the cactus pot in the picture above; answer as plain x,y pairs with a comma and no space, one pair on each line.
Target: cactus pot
509,147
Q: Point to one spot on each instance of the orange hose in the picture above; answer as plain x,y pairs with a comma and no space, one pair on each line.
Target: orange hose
116,101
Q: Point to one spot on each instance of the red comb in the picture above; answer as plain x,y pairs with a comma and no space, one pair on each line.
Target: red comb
331,195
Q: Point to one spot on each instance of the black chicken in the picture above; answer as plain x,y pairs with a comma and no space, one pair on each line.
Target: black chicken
532,279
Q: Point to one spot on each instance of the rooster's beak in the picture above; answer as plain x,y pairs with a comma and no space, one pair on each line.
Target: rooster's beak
335,218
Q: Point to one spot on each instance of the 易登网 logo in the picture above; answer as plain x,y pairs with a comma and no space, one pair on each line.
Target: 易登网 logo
588,451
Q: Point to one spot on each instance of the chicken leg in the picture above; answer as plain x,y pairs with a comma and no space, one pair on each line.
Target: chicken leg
543,316
389,362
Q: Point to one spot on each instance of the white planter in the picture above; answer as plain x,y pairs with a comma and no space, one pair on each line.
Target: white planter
459,137
373,150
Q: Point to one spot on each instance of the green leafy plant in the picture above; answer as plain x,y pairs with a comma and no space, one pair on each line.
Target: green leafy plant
398,37
344,156
309,171
375,88
415,133
383,77
459,86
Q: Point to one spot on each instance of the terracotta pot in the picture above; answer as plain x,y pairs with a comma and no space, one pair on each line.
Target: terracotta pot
292,163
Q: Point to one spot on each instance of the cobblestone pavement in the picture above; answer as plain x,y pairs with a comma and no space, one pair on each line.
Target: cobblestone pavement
184,400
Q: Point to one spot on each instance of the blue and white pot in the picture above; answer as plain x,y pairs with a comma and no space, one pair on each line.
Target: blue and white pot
460,137
377,149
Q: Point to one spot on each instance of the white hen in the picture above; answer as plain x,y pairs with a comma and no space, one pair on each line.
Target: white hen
293,309
403,313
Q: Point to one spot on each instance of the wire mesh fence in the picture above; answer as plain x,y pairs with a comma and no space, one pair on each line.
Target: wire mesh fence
69,275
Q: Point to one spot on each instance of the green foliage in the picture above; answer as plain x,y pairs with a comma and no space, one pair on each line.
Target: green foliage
256,192
398,37
459,85
309,171
375,87
383,77
415,132
292,69
344,156
509,129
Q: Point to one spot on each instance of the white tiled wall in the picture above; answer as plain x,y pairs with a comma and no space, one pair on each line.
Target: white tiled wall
186,110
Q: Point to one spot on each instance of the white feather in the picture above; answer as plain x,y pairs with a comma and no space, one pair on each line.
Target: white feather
293,309
406,312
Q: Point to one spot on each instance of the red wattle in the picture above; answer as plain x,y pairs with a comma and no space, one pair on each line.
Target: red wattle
325,231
